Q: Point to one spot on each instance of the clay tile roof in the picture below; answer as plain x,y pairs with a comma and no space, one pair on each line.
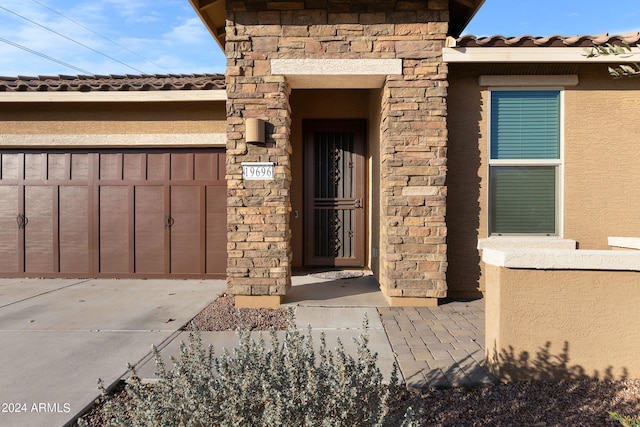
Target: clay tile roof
145,82
550,41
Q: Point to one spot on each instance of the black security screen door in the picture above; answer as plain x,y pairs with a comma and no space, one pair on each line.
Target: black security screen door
334,193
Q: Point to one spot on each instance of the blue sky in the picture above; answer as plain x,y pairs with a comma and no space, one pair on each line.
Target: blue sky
166,36
551,17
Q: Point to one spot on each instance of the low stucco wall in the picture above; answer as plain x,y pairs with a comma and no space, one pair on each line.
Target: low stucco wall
559,323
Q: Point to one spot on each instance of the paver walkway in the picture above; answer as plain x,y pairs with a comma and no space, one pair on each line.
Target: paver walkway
439,346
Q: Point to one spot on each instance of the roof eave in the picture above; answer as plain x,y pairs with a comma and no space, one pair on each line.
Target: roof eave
213,14
461,13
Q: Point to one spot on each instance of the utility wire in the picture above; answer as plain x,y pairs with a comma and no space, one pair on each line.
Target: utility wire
70,39
44,56
100,35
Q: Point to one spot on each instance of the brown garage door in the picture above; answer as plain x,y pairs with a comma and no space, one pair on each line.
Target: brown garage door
113,214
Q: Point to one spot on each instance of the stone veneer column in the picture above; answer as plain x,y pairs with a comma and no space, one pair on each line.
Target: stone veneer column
413,247
413,137
259,236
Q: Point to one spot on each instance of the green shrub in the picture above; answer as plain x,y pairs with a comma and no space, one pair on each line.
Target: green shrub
625,421
284,384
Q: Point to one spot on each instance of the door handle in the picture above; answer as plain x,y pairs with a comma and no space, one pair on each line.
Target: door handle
357,204
168,221
22,221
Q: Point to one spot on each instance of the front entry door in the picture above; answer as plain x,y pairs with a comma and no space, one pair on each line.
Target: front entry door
334,193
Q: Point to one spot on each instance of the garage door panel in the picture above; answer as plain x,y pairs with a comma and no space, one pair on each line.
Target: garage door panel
114,230
206,166
10,167
156,166
79,166
134,166
38,231
185,231
34,166
9,231
110,166
74,229
222,168
149,230
56,166
182,166
216,230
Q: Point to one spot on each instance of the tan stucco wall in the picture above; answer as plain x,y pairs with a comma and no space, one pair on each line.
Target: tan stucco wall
113,118
602,151
316,104
600,194
466,207
585,321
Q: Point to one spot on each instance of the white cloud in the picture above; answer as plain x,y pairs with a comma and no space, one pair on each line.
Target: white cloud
190,31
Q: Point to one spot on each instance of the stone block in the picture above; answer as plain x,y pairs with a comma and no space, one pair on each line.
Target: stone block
343,18
295,31
361,46
370,19
322,30
309,17
411,29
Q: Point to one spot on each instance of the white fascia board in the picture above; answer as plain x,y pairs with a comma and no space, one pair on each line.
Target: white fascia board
533,55
336,73
113,140
114,96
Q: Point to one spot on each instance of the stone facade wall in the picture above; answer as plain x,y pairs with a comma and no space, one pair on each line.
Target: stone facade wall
413,133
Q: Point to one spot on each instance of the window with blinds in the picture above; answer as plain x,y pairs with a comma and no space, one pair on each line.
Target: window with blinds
524,162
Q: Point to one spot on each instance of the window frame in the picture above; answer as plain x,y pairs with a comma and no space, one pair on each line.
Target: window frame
558,164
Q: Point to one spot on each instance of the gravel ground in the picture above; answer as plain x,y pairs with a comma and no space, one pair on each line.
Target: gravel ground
221,315
583,403
540,404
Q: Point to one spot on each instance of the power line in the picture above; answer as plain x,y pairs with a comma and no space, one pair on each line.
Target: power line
100,35
70,39
50,58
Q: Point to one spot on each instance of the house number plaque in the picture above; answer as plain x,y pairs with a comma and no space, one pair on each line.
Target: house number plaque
257,171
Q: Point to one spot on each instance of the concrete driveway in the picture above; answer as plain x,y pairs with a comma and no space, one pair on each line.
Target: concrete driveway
59,335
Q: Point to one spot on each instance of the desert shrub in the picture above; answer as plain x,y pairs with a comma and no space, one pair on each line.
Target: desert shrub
282,384
625,421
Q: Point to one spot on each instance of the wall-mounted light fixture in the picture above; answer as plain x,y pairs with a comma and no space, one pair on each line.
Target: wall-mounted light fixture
255,130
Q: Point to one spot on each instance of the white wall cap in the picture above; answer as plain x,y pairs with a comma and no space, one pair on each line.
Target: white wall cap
625,242
563,259
526,242
336,73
